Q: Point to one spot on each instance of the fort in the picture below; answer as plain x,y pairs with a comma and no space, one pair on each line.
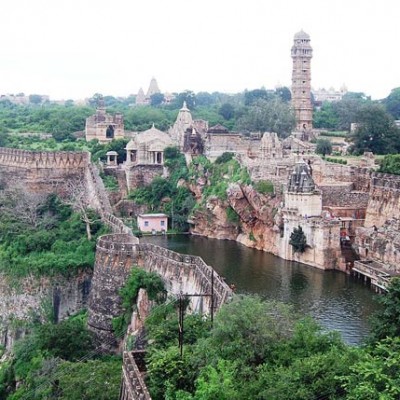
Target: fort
344,211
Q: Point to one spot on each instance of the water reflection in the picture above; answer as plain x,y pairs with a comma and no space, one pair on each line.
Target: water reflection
336,300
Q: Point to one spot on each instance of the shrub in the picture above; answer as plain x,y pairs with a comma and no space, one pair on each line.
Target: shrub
232,215
264,187
298,240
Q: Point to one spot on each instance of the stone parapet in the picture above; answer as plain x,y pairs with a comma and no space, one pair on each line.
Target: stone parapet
117,254
40,159
186,274
133,386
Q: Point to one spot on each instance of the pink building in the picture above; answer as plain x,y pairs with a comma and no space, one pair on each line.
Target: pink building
152,222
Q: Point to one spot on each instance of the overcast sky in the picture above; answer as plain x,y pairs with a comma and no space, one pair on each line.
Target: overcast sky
75,48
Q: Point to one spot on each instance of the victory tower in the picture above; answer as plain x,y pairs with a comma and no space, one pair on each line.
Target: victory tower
301,81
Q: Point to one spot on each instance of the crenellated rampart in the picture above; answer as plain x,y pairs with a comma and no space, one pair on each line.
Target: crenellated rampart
186,274
40,171
117,254
17,158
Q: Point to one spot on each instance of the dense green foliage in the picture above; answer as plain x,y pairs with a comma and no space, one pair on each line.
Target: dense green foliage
267,116
219,174
376,375
60,121
42,236
336,160
340,115
392,103
298,240
390,164
323,147
386,322
375,131
169,195
138,279
255,350
264,187
54,361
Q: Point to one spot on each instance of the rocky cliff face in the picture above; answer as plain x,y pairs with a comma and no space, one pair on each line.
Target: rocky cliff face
259,217
31,298
246,216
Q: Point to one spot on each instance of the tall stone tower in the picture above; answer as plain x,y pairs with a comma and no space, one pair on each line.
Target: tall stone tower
301,81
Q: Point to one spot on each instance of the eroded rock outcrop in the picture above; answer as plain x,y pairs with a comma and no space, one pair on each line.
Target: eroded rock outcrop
212,220
33,298
255,222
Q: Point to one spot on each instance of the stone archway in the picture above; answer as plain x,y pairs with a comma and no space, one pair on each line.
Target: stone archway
110,132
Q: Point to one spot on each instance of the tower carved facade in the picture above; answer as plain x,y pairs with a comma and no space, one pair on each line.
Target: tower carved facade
301,81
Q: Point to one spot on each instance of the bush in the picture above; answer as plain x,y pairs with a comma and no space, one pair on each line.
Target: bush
224,158
298,240
138,279
390,164
324,147
264,187
232,215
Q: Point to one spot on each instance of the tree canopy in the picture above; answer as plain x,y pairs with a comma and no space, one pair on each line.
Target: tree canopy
324,147
392,103
375,132
268,116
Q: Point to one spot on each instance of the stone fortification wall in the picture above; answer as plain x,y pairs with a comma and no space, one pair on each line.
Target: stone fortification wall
327,173
219,143
29,299
115,256
96,190
99,200
42,159
381,244
384,199
323,237
275,170
343,195
41,171
142,175
133,386
185,274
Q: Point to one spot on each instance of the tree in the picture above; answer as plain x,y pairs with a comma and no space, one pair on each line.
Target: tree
157,99
268,116
35,98
390,164
324,147
227,111
249,327
298,240
346,110
22,205
78,198
187,96
326,117
252,96
284,93
377,374
204,99
392,103
386,322
376,131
